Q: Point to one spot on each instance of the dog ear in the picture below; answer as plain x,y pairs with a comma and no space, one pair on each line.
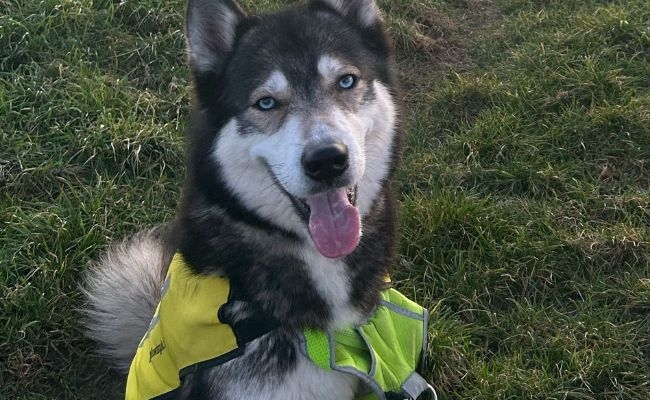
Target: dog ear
364,11
211,26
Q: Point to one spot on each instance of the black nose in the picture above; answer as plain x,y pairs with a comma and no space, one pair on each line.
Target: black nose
325,161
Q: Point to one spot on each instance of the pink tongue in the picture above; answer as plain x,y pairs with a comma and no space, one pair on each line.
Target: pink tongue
334,223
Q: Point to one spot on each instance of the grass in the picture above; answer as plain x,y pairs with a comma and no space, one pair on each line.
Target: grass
525,188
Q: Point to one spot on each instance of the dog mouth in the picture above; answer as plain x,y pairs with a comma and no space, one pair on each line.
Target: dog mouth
334,220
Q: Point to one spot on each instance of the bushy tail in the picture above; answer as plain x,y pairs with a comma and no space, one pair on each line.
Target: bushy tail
122,291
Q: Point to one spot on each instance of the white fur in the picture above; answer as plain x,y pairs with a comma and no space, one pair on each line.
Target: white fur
245,159
282,151
276,86
329,68
125,283
306,381
333,284
250,180
379,117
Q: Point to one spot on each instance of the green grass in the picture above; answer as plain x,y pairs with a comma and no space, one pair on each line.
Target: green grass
525,186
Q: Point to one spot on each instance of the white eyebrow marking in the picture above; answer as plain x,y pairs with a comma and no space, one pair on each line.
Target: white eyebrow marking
277,82
329,67
277,85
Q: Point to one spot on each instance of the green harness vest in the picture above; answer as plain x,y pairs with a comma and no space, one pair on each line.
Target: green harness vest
183,338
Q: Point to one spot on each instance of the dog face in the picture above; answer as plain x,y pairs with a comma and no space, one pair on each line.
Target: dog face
302,121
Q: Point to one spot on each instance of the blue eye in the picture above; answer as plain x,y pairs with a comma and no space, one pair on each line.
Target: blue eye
347,81
266,103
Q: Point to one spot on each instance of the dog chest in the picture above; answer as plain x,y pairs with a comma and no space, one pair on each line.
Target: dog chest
262,374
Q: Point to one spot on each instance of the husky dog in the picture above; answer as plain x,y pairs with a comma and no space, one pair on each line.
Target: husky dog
293,144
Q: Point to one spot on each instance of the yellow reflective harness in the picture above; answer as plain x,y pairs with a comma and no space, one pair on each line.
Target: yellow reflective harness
187,335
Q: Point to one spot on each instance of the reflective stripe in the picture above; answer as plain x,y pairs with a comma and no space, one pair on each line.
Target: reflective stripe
384,352
415,385
400,310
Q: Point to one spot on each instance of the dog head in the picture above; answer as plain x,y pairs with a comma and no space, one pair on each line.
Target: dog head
301,129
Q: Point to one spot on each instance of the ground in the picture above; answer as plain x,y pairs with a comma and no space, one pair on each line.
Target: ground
524,189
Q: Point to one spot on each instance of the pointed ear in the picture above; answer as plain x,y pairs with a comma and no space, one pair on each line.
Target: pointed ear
210,30
365,12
